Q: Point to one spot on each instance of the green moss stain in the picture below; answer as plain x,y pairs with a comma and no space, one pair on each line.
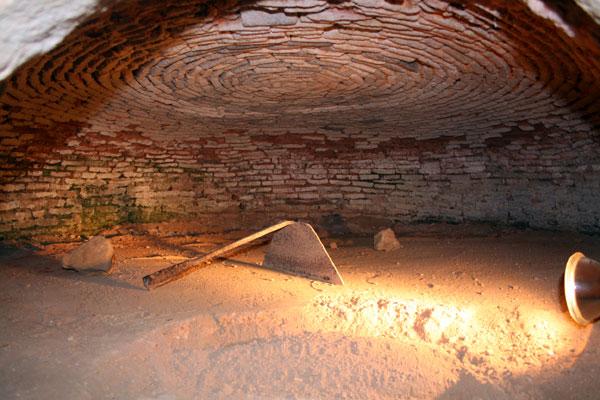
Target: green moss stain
97,218
139,214
96,205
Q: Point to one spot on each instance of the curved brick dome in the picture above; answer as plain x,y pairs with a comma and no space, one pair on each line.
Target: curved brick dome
408,109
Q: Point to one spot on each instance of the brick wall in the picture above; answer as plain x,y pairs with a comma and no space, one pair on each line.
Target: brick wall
415,110
540,180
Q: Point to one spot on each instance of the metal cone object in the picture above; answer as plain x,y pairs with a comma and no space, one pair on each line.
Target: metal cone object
296,249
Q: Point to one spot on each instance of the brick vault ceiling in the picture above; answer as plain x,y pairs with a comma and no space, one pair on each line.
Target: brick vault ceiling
189,69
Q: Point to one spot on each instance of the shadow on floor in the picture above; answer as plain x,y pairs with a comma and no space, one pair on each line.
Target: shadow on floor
28,261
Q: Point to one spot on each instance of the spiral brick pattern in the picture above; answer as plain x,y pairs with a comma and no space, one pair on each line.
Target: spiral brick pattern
411,109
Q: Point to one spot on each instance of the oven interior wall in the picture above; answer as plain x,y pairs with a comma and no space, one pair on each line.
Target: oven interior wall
413,111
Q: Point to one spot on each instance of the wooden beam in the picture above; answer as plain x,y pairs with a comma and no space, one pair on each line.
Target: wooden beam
182,269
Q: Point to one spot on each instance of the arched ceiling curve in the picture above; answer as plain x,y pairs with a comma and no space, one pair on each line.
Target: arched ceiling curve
189,69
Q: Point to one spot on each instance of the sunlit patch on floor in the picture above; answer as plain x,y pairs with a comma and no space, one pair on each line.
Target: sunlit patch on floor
495,342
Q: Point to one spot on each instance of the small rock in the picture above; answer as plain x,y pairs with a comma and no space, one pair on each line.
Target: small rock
333,245
385,240
94,255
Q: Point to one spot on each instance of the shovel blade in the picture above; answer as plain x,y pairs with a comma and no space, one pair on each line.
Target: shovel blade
297,249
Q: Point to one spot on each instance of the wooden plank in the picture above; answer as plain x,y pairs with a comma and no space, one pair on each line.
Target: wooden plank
177,271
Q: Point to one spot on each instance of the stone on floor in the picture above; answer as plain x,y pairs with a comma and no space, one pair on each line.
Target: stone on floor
94,255
385,240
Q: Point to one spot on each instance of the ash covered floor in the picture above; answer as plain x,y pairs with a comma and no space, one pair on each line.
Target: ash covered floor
447,316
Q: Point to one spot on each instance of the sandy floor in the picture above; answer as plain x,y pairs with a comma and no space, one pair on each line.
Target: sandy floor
444,317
